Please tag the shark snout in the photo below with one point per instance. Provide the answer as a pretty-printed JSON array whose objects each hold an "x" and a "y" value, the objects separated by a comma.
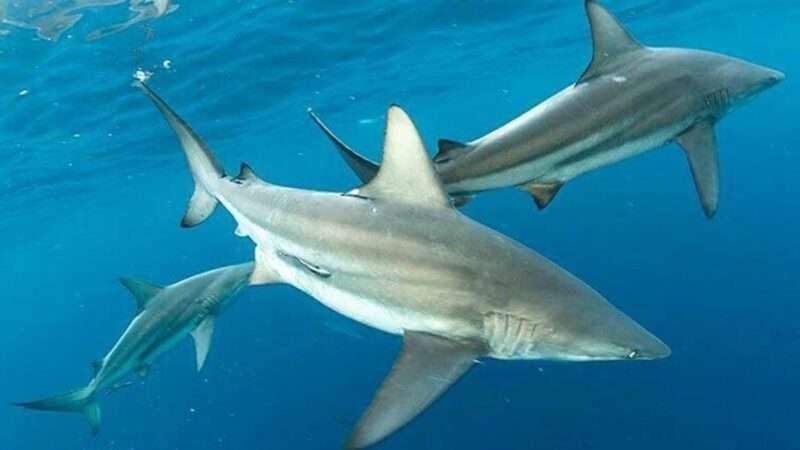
[
  {"x": 774, "y": 77},
  {"x": 650, "y": 348}
]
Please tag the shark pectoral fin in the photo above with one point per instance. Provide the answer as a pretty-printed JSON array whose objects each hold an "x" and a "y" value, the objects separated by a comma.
[
  {"x": 364, "y": 169},
  {"x": 407, "y": 174},
  {"x": 700, "y": 144},
  {"x": 427, "y": 366},
  {"x": 143, "y": 291},
  {"x": 202, "y": 340},
  {"x": 609, "y": 37},
  {"x": 92, "y": 414},
  {"x": 542, "y": 193},
  {"x": 449, "y": 150},
  {"x": 461, "y": 200}
]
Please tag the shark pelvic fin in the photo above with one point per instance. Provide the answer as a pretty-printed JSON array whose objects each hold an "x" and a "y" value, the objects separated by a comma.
[
  {"x": 542, "y": 193},
  {"x": 143, "y": 291},
  {"x": 406, "y": 174},
  {"x": 449, "y": 150},
  {"x": 609, "y": 37},
  {"x": 263, "y": 273},
  {"x": 427, "y": 366},
  {"x": 700, "y": 144},
  {"x": 364, "y": 169},
  {"x": 202, "y": 340}
]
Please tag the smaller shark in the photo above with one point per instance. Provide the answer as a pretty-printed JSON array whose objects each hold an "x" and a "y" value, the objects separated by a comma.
[
  {"x": 164, "y": 317},
  {"x": 629, "y": 100}
]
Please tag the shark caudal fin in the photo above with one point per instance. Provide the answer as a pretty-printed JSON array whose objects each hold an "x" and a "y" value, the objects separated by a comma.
[
  {"x": 364, "y": 169},
  {"x": 204, "y": 166},
  {"x": 77, "y": 401}
]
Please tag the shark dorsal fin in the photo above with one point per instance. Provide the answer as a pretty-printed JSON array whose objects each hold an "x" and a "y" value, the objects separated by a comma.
[
  {"x": 143, "y": 291},
  {"x": 406, "y": 173},
  {"x": 609, "y": 37},
  {"x": 246, "y": 173}
]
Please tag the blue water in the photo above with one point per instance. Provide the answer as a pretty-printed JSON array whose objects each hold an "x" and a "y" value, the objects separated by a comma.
[{"x": 93, "y": 186}]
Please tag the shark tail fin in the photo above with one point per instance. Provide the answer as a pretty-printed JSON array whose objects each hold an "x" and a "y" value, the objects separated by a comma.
[
  {"x": 204, "y": 166},
  {"x": 78, "y": 401}
]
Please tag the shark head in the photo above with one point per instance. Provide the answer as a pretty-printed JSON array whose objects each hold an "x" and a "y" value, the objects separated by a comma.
[
  {"x": 728, "y": 82},
  {"x": 599, "y": 332}
]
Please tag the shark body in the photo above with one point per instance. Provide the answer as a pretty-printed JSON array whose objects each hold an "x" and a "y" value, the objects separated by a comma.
[
  {"x": 629, "y": 100},
  {"x": 395, "y": 255},
  {"x": 165, "y": 316}
]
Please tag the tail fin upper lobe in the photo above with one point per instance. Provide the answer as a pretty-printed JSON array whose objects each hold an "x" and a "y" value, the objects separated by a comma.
[
  {"x": 204, "y": 166},
  {"x": 77, "y": 401}
]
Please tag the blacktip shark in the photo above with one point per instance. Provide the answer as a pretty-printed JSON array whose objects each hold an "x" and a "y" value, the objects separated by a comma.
[
  {"x": 164, "y": 317},
  {"x": 629, "y": 100},
  {"x": 394, "y": 254}
]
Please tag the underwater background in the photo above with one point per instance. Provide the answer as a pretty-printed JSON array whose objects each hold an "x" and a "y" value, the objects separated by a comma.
[{"x": 93, "y": 185}]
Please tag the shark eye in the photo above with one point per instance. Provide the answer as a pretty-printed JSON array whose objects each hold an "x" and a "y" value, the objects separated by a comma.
[{"x": 633, "y": 354}]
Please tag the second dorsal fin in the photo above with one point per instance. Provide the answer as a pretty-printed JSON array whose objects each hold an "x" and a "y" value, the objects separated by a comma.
[
  {"x": 610, "y": 39},
  {"x": 449, "y": 150},
  {"x": 406, "y": 173}
]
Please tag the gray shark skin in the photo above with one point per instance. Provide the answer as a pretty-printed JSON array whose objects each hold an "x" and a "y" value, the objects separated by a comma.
[
  {"x": 165, "y": 316},
  {"x": 395, "y": 255},
  {"x": 629, "y": 100}
]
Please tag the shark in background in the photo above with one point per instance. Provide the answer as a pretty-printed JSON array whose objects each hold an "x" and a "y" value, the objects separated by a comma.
[
  {"x": 164, "y": 317},
  {"x": 630, "y": 99},
  {"x": 395, "y": 255}
]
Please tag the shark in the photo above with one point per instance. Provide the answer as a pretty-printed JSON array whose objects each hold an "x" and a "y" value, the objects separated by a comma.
[
  {"x": 164, "y": 317},
  {"x": 395, "y": 255},
  {"x": 630, "y": 99}
]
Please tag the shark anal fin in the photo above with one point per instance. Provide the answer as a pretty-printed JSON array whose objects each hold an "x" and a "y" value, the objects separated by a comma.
[
  {"x": 427, "y": 366},
  {"x": 406, "y": 174},
  {"x": 449, "y": 150},
  {"x": 542, "y": 193},
  {"x": 364, "y": 169},
  {"x": 202, "y": 340},
  {"x": 609, "y": 37},
  {"x": 700, "y": 144},
  {"x": 143, "y": 291}
]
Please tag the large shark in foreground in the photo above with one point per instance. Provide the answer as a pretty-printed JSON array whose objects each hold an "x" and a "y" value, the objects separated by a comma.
[
  {"x": 395, "y": 255},
  {"x": 629, "y": 100},
  {"x": 165, "y": 316}
]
